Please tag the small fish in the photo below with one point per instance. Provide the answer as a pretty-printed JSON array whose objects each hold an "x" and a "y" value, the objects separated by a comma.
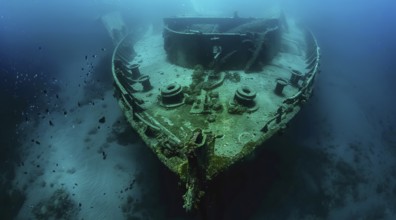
[
  {"x": 102, "y": 120},
  {"x": 50, "y": 123},
  {"x": 38, "y": 142},
  {"x": 86, "y": 57}
]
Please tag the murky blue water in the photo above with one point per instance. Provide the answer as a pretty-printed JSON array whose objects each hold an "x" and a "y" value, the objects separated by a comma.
[{"x": 60, "y": 160}]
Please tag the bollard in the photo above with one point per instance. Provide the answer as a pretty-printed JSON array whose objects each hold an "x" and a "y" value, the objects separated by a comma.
[
  {"x": 135, "y": 71},
  {"x": 280, "y": 84},
  {"x": 145, "y": 81},
  {"x": 295, "y": 77}
]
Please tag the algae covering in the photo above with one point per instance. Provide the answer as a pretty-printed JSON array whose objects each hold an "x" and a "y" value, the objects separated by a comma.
[{"x": 209, "y": 91}]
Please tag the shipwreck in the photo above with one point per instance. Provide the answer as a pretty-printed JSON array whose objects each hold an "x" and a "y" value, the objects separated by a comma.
[{"x": 209, "y": 91}]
